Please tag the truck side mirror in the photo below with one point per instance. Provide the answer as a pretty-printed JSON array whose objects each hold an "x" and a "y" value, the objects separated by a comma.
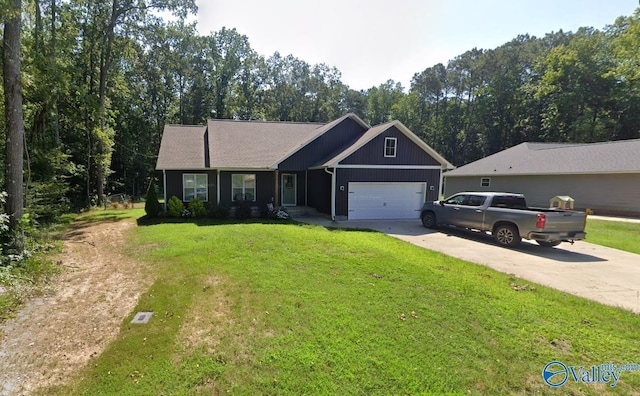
[{"x": 441, "y": 203}]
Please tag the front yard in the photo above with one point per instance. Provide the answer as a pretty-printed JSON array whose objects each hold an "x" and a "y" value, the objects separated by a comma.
[{"x": 271, "y": 308}]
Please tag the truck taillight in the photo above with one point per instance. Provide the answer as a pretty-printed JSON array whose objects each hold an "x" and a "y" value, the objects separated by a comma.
[{"x": 542, "y": 220}]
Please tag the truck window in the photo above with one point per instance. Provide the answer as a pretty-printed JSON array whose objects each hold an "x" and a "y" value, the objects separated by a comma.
[
  {"x": 476, "y": 200},
  {"x": 509, "y": 201},
  {"x": 456, "y": 200}
]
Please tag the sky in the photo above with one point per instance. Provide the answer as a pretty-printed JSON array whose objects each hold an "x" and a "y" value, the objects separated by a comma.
[{"x": 372, "y": 41}]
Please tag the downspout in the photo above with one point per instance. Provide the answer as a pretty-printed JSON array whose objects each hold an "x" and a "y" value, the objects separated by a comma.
[
  {"x": 164, "y": 187},
  {"x": 218, "y": 186},
  {"x": 333, "y": 192},
  {"x": 306, "y": 187}
]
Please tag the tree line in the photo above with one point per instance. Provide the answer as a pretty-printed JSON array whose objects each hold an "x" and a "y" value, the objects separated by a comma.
[{"x": 101, "y": 79}]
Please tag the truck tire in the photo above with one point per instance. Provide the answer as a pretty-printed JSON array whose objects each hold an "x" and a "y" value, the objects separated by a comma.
[
  {"x": 549, "y": 243},
  {"x": 506, "y": 235},
  {"x": 429, "y": 220}
]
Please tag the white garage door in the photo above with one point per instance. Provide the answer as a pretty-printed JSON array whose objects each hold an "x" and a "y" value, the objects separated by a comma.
[{"x": 385, "y": 200}]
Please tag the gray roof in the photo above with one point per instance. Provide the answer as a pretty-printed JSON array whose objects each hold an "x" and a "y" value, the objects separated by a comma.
[
  {"x": 182, "y": 147},
  {"x": 621, "y": 156},
  {"x": 255, "y": 144},
  {"x": 236, "y": 145}
]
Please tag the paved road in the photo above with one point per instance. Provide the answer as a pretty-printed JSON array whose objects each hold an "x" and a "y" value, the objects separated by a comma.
[{"x": 602, "y": 274}]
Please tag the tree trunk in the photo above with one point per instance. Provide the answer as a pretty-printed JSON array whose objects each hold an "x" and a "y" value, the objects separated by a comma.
[{"x": 14, "y": 118}]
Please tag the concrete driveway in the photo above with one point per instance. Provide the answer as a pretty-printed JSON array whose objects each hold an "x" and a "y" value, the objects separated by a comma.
[{"x": 602, "y": 274}]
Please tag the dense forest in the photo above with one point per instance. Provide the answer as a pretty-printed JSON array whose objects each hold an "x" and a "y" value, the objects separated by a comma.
[{"x": 101, "y": 79}]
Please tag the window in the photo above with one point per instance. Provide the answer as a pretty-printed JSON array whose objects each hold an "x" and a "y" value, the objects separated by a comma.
[
  {"x": 243, "y": 187},
  {"x": 509, "y": 201},
  {"x": 390, "y": 145},
  {"x": 466, "y": 200},
  {"x": 195, "y": 186},
  {"x": 485, "y": 182}
]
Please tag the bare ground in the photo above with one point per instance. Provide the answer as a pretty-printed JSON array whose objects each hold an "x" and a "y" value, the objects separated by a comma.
[{"x": 54, "y": 336}]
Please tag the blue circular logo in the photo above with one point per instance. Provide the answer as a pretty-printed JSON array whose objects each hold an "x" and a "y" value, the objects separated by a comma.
[{"x": 555, "y": 374}]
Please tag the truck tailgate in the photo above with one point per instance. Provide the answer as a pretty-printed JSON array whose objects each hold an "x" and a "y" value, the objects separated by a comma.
[{"x": 564, "y": 221}]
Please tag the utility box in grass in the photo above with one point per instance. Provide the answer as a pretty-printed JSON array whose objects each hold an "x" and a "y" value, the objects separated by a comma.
[{"x": 562, "y": 202}]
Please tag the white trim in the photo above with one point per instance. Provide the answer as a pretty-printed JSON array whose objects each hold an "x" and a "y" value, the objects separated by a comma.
[
  {"x": 244, "y": 193},
  {"x": 333, "y": 192},
  {"x": 395, "y": 147},
  {"x": 383, "y": 128},
  {"x": 295, "y": 188},
  {"x": 441, "y": 189},
  {"x": 195, "y": 188},
  {"x": 323, "y": 130}
]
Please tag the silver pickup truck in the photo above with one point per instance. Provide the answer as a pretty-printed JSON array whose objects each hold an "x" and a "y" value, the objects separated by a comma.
[{"x": 507, "y": 217}]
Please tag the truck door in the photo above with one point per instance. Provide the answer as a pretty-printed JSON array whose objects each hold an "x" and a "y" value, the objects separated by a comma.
[{"x": 464, "y": 210}]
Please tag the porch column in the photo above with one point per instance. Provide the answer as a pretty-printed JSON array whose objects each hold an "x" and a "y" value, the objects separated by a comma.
[
  {"x": 276, "y": 196},
  {"x": 218, "y": 186},
  {"x": 164, "y": 187}
]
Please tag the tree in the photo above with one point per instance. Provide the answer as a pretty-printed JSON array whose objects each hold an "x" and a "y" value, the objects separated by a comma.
[{"x": 13, "y": 118}]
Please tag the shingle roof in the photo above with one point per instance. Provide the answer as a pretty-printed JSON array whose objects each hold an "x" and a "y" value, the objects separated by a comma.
[
  {"x": 182, "y": 147},
  {"x": 557, "y": 158},
  {"x": 255, "y": 144}
]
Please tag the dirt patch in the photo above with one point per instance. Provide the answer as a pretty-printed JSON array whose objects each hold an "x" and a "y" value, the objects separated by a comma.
[{"x": 54, "y": 336}]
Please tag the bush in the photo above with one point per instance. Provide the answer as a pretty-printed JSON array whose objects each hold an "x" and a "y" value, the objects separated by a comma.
[
  {"x": 220, "y": 212},
  {"x": 152, "y": 206},
  {"x": 196, "y": 207},
  {"x": 243, "y": 211},
  {"x": 175, "y": 207}
]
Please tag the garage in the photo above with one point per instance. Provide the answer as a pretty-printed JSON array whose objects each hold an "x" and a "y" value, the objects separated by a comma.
[{"x": 385, "y": 200}]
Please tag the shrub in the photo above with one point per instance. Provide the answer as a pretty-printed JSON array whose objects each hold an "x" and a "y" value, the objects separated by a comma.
[
  {"x": 175, "y": 207},
  {"x": 220, "y": 212},
  {"x": 151, "y": 205},
  {"x": 243, "y": 211},
  {"x": 196, "y": 207}
]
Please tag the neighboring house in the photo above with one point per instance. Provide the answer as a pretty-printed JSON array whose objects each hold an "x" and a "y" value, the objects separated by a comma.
[
  {"x": 345, "y": 168},
  {"x": 604, "y": 177}
]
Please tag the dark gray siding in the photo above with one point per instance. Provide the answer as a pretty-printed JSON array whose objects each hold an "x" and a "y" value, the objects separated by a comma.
[
  {"x": 408, "y": 153},
  {"x": 174, "y": 184},
  {"x": 344, "y": 176},
  {"x": 325, "y": 146},
  {"x": 613, "y": 193},
  {"x": 319, "y": 191},
  {"x": 265, "y": 187}
]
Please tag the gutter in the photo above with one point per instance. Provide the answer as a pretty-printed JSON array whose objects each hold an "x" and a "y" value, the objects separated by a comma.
[{"x": 333, "y": 192}]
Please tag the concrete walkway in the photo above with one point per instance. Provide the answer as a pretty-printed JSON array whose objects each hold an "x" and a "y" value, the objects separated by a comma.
[{"x": 602, "y": 274}]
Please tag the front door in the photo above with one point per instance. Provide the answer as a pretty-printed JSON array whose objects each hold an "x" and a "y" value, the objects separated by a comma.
[{"x": 288, "y": 189}]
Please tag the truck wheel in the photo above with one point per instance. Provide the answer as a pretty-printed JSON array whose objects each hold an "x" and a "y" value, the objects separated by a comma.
[
  {"x": 506, "y": 235},
  {"x": 429, "y": 220},
  {"x": 549, "y": 243}
]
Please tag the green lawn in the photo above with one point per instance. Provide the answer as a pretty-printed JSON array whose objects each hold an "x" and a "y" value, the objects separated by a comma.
[
  {"x": 257, "y": 308},
  {"x": 615, "y": 234}
]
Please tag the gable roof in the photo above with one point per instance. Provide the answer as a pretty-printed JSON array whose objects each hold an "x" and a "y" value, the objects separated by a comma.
[
  {"x": 321, "y": 130},
  {"x": 557, "y": 158},
  {"x": 254, "y": 144},
  {"x": 182, "y": 147},
  {"x": 235, "y": 145},
  {"x": 376, "y": 131}
]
